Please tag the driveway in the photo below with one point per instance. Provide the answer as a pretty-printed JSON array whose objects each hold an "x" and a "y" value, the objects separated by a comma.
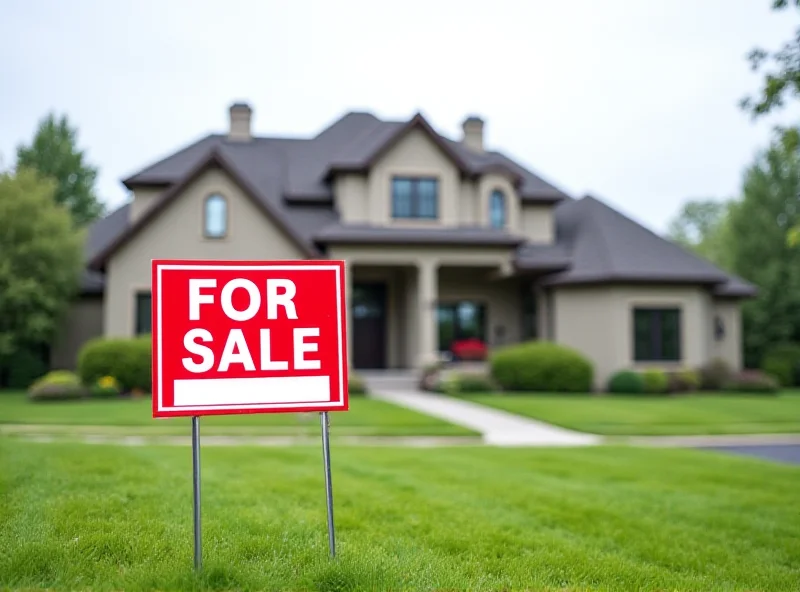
[{"x": 785, "y": 453}]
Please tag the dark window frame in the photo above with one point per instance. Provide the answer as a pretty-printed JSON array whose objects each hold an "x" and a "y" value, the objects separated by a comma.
[
  {"x": 503, "y": 208},
  {"x": 140, "y": 327},
  {"x": 459, "y": 331},
  {"x": 415, "y": 198},
  {"x": 656, "y": 346},
  {"x": 224, "y": 200}
]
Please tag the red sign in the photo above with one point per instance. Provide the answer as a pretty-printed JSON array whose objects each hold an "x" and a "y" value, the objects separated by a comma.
[{"x": 248, "y": 337}]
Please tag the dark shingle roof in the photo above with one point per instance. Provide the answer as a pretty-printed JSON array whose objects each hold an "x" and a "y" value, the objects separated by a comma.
[
  {"x": 606, "y": 246},
  {"x": 289, "y": 179},
  {"x": 461, "y": 235}
]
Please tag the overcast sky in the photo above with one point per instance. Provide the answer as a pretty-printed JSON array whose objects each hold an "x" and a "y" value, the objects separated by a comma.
[{"x": 633, "y": 101}]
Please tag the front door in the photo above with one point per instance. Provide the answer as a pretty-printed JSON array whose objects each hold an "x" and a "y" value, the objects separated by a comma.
[{"x": 369, "y": 325}]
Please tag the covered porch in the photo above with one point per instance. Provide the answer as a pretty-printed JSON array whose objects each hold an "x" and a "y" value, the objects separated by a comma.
[{"x": 406, "y": 315}]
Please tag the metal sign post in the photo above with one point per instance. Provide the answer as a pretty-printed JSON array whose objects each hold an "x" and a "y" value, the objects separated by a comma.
[
  {"x": 326, "y": 457},
  {"x": 198, "y": 552}
]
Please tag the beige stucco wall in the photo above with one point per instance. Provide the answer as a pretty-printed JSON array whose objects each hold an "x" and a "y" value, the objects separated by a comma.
[
  {"x": 82, "y": 322},
  {"x": 598, "y": 321},
  {"x": 351, "y": 196},
  {"x": 143, "y": 198},
  {"x": 537, "y": 223},
  {"x": 469, "y": 213},
  {"x": 729, "y": 348},
  {"x": 178, "y": 233}
]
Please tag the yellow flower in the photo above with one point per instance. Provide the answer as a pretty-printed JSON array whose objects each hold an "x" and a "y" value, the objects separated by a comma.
[{"x": 108, "y": 382}]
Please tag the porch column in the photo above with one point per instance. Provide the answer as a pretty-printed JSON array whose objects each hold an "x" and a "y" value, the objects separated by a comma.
[
  {"x": 348, "y": 296},
  {"x": 427, "y": 297}
]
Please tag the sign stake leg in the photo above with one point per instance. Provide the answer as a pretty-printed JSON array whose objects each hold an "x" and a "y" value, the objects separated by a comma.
[
  {"x": 198, "y": 553},
  {"x": 326, "y": 456}
]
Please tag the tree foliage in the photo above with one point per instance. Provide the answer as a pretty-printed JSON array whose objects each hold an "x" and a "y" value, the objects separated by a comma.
[
  {"x": 701, "y": 226},
  {"x": 781, "y": 69},
  {"x": 40, "y": 260},
  {"x": 760, "y": 224},
  {"x": 54, "y": 153}
]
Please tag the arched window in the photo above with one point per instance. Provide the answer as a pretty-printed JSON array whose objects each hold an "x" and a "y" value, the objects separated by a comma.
[
  {"x": 497, "y": 209},
  {"x": 215, "y": 217}
]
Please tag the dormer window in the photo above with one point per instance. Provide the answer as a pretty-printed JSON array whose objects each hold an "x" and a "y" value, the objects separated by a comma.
[
  {"x": 215, "y": 217},
  {"x": 497, "y": 209},
  {"x": 415, "y": 197}
]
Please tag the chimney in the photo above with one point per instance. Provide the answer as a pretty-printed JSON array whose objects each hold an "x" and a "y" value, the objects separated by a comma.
[
  {"x": 240, "y": 116},
  {"x": 473, "y": 133}
]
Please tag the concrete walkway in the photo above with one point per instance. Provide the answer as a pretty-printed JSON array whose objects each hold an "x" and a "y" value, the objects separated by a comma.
[{"x": 497, "y": 428}]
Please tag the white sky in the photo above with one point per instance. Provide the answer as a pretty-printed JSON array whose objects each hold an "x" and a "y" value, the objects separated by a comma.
[{"x": 634, "y": 101}]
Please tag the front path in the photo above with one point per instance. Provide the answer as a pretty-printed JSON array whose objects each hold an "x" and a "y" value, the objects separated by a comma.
[{"x": 497, "y": 427}]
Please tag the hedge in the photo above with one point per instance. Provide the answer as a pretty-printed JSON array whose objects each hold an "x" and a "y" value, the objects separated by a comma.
[
  {"x": 541, "y": 366},
  {"x": 127, "y": 360},
  {"x": 655, "y": 381},
  {"x": 626, "y": 382},
  {"x": 59, "y": 385},
  {"x": 752, "y": 381},
  {"x": 783, "y": 362},
  {"x": 456, "y": 383}
]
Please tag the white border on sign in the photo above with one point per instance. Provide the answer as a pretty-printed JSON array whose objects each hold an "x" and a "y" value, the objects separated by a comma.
[{"x": 206, "y": 267}]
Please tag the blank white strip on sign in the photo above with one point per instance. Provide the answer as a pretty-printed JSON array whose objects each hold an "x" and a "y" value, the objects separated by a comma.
[{"x": 252, "y": 391}]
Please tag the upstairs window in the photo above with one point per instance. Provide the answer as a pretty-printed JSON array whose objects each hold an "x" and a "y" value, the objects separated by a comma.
[
  {"x": 415, "y": 198},
  {"x": 215, "y": 217},
  {"x": 497, "y": 209},
  {"x": 657, "y": 334}
]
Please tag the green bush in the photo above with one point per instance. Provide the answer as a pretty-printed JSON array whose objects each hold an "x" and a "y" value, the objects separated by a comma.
[
  {"x": 715, "y": 374},
  {"x": 683, "y": 381},
  {"x": 355, "y": 385},
  {"x": 59, "y": 385},
  {"x": 752, "y": 381},
  {"x": 457, "y": 383},
  {"x": 105, "y": 388},
  {"x": 541, "y": 366},
  {"x": 655, "y": 381},
  {"x": 626, "y": 382},
  {"x": 23, "y": 367},
  {"x": 127, "y": 360},
  {"x": 783, "y": 362}
]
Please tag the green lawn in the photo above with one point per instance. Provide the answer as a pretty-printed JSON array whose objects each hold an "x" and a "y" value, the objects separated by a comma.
[
  {"x": 684, "y": 415},
  {"x": 79, "y": 516},
  {"x": 365, "y": 417}
]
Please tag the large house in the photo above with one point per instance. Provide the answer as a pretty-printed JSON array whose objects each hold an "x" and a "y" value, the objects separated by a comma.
[{"x": 444, "y": 240}]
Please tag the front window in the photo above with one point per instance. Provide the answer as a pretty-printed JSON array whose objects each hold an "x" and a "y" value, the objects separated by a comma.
[
  {"x": 215, "y": 223},
  {"x": 460, "y": 321},
  {"x": 144, "y": 315},
  {"x": 657, "y": 334},
  {"x": 497, "y": 209},
  {"x": 415, "y": 198}
]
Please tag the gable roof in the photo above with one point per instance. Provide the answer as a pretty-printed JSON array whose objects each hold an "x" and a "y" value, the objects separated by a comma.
[
  {"x": 254, "y": 180},
  {"x": 606, "y": 246}
]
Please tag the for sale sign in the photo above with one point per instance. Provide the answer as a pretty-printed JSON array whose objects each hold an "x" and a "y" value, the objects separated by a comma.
[{"x": 248, "y": 337}]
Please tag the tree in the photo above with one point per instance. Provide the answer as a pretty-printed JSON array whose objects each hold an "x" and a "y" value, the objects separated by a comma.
[
  {"x": 701, "y": 226},
  {"x": 781, "y": 81},
  {"x": 54, "y": 154},
  {"x": 41, "y": 256},
  {"x": 761, "y": 223}
]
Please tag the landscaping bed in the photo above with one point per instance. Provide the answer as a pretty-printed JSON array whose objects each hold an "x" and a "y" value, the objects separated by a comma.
[{"x": 75, "y": 517}]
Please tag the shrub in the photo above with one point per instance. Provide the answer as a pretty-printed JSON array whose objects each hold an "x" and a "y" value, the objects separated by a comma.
[
  {"x": 541, "y": 366},
  {"x": 626, "y": 382},
  {"x": 783, "y": 362},
  {"x": 355, "y": 385},
  {"x": 715, "y": 375},
  {"x": 106, "y": 387},
  {"x": 683, "y": 381},
  {"x": 457, "y": 383},
  {"x": 655, "y": 381},
  {"x": 127, "y": 360},
  {"x": 752, "y": 381},
  {"x": 59, "y": 385},
  {"x": 23, "y": 367}
]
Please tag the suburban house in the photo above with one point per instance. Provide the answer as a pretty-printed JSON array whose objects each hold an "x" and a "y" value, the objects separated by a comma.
[{"x": 444, "y": 240}]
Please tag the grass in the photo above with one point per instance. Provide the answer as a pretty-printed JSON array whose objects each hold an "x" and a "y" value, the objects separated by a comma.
[
  {"x": 658, "y": 415},
  {"x": 366, "y": 417},
  {"x": 78, "y": 516}
]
